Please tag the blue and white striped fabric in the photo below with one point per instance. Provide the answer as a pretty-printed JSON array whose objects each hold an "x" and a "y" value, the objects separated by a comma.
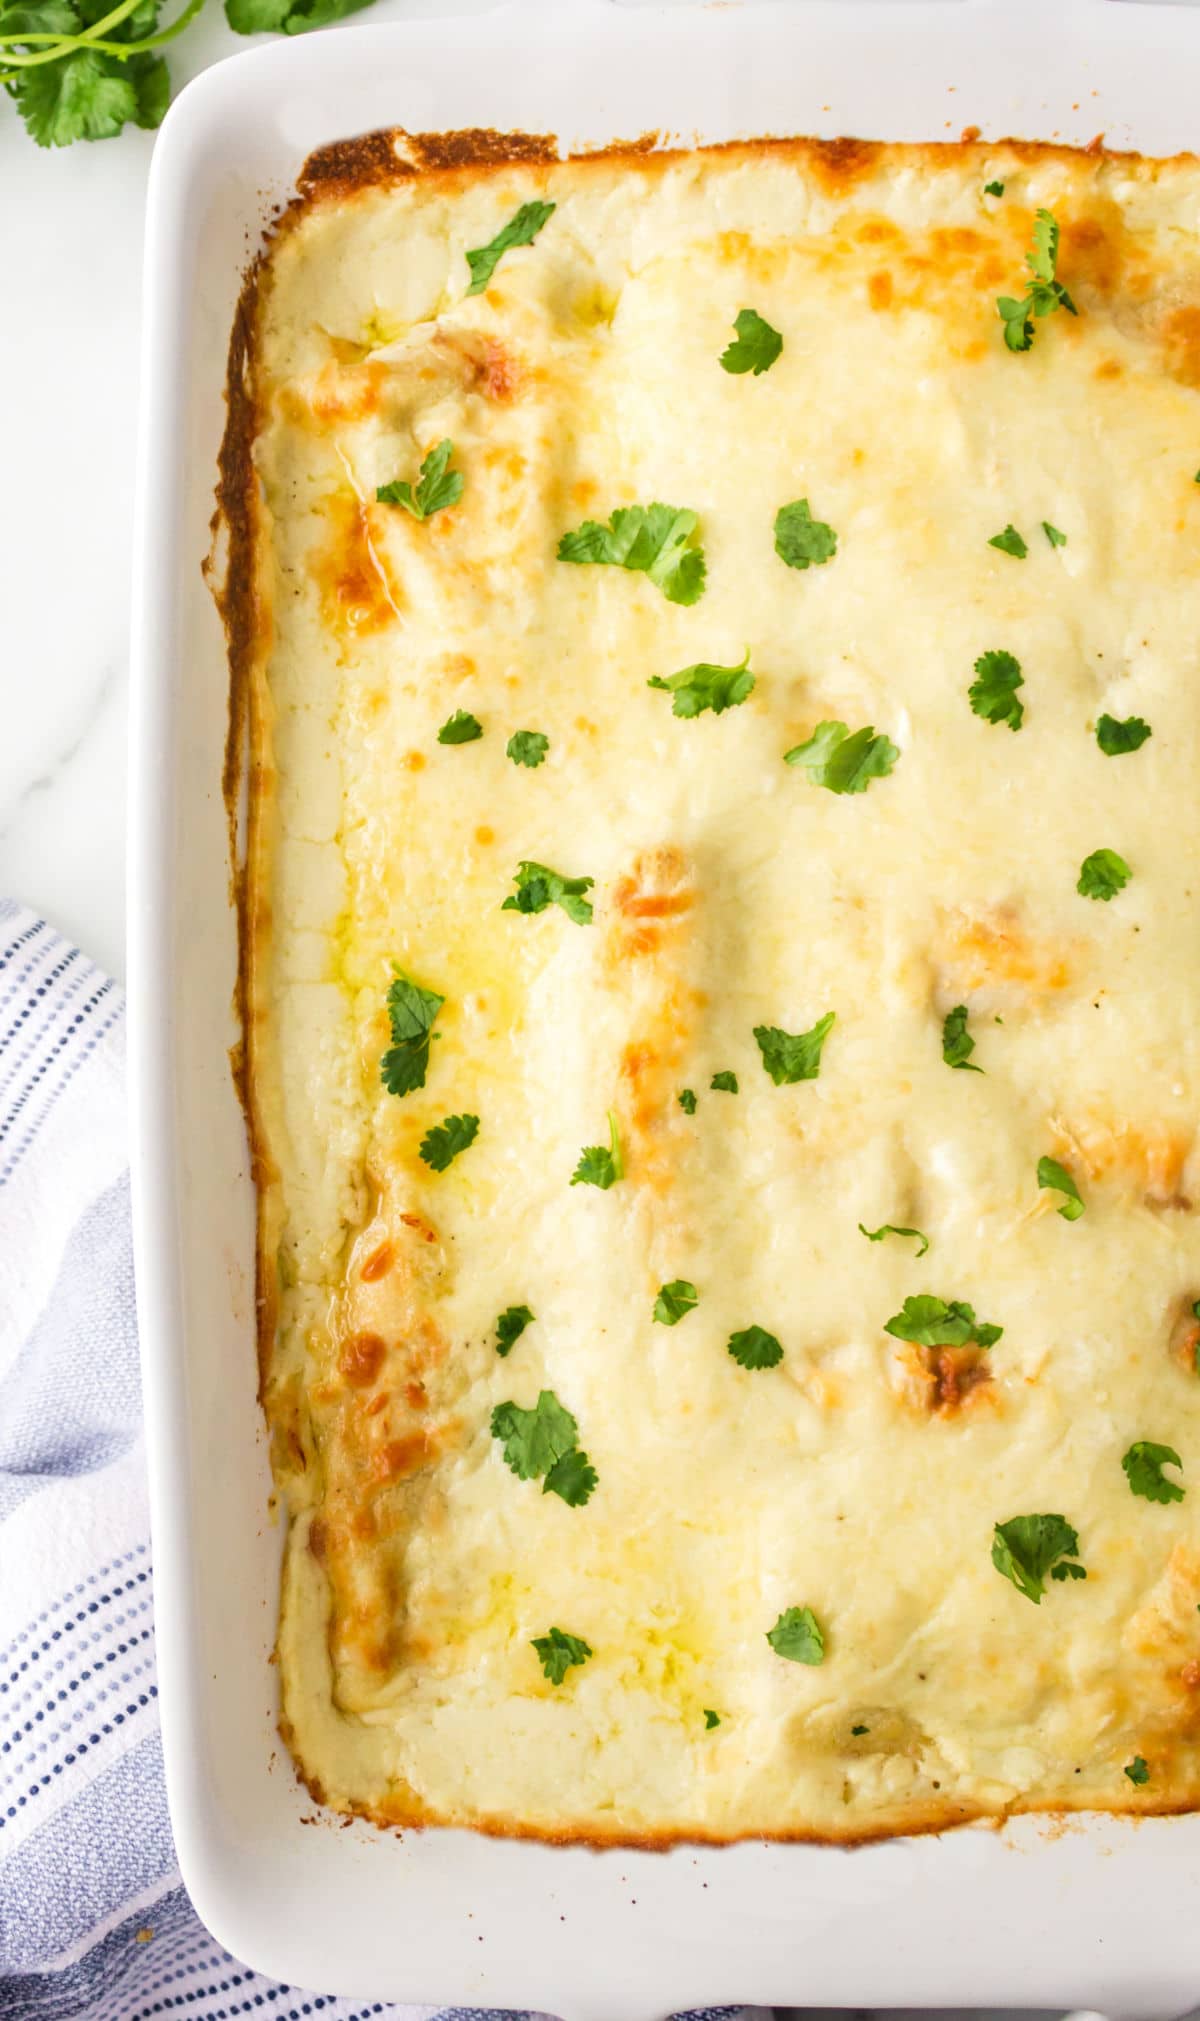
[{"x": 93, "y": 1920}]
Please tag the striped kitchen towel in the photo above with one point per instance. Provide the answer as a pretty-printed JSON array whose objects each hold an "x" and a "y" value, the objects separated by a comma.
[{"x": 94, "y": 1922}]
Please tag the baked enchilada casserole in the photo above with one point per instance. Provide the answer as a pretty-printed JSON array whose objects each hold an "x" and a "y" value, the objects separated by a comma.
[{"x": 721, "y": 636}]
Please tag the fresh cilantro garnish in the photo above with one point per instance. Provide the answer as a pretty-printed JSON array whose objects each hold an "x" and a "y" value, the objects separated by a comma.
[
  {"x": 437, "y": 487},
  {"x": 527, "y": 747},
  {"x": 801, "y": 540},
  {"x": 845, "y": 762},
  {"x": 1103, "y": 874},
  {"x": 687, "y": 1101},
  {"x": 989, "y": 189},
  {"x": 797, "y": 1635},
  {"x": 1050, "y": 1173},
  {"x": 460, "y": 728},
  {"x": 756, "y": 346},
  {"x": 726, "y": 1082},
  {"x": 1115, "y": 737},
  {"x": 411, "y": 1013},
  {"x": 1143, "y": 1465},
  {"x": 793, "y": 1056},
  {"x": 711, "y": 1719},
  {"x": 890, "y": 1228},
  {"x": 540, "y": 1444},
  {"x": 538, "y": 886},
  {"x": 287, "y": 17},
  {"x": 994, "y": 694},
  {"x": 856, "y": 1730},
  {"x": 1027, "y": 1547},
  {"x": 754, "y": 1347},
  {"x": 675, "y": 1300},
  {"x": 78, "y": 70},
  {"x": 521, "y": 230},
  {"x": 1044, "y": 292},
  {"x": 652, "y": 538},
  {"x": 557, "y": 1651},
  {"x": 705, "y": 686},
  {"x": 441, "y": 1145},
  {"x": 957, "y": 1043},
  {"x": 510, "y": 1326},
  {"x": 1137, "y": 1771},
  {"x": 940, "y": 1322},
  {"x": 599, "y": 1166},
  {"x": 1053, "y": 535},
  {"x": 1010, "y": 542}
]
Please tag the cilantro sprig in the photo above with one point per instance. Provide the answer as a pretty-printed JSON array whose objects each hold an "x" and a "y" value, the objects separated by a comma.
[
  {"x": 411, "y": 1014},
  {"x": 510, "y": 1326},
  {"x": 726, "y": 1082},
  {"x": 1115, "y": 736},
  {"x": 993, "y": 693},
  {"x": 675, "y": 1300},
  {"x": 599, "y": 1164},
  {"x": 527, "y": 747},
  {"x": 1143, "y": 1468},
  {"x": 543, "y": 1444},
  {"x": 841, "y": 760},
  {"x": 1026, "y": 1548},
  {"x": 558, "y": 1652},
  {"x": 1010, "y": 542},
  {"x": 957, "y": 1043},
  {"x": 756, "y": 346},
  {"x": 441, "y": 1145},
  {"x": 1057, "y": 1178},
  {"x": 651, "y": 538},
  {"x": 798, "y": 1636},
  {"x": 754, "y": 1347},
  {"x": 1044, "y": 292},
  {"x": 800, "y": 540},
  {"x": 706, "y": 686},
  {"x": 939, "y": 1322},
  {"x": 436, "y": 488},
  {"x": 538, "y": 886},
  {"x": 521, "y": 230},
  {"x": 78, "y": 70},
  {"x": 1137, "y": 1771},
  {"x": 793, "y": 1056},
  {"x": 460, "y": 728},
  {"x": 1103, "y": 874}
]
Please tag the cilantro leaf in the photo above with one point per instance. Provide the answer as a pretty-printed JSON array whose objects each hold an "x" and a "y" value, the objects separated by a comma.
[
  {"x": 957, "y": 1043},
  {"x": 521, "y": 230},
  {"x": 1053, "y": 535},
  {"x": 1044, "y": 293},
  {"x": 538, "y": 886},
  {"x": 527, "y": 747},
  {"x": 1115, "y": 737},
  {"x": 705, "y": 686},
  {"x": 993, "y": 189},
  {"x": 754, "y": 1347},
  {"x": 890, "y": 1228},
  {"x": 755, "y": 347},
  {"x": 441, "y": 1145},
  {"x": 558, "y": 1651},
  {"x": 844, "y": 762},
  {"x": 1143, "y": 1465},
  {"x": 1103, "y": 874},
  {"x": 801, "y": 540},
  {"x": 599, "y": 1166},
  {"x": 84, "y": 94},
  {"x": 938, "y": 1322},
  {"x": 675, "y": 1300},
  {"x": 437, "y": 487},
  {"x": 994, "y": 694},
  {"x": 652, "y": 538},
  {"x": 1051, "y": 1173},
  {"x": 287, "y": 17},
  {"x": 1010, "y": 542},
  {"x": 572, "y": 1478},
  {"x": 797, "y": 1635},
  {"x": 411, "y": 1014},
  {"x": 725, "y": 1082},
  {"x": 687, "y": 1101},
  {"x": 793, "y": 1056},
  {"x": 461, "y": 728},
  {"x": 541, "y": 1442},
  {"x": 1137, "y": 1771},
  {"x": 1027, "y": 1547},
  {"x": 510, "y": 1326},
  {"x": 711, "y": 1719}
]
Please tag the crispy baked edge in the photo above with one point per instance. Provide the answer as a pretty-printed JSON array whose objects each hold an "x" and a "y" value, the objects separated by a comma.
[{"x": 331, "y": 175}]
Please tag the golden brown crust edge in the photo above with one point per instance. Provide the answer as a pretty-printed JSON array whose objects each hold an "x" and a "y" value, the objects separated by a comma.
[{"x": 332, "y": 174}]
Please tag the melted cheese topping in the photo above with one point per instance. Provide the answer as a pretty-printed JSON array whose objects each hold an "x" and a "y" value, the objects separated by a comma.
[{"x": 862, "y": 1476}]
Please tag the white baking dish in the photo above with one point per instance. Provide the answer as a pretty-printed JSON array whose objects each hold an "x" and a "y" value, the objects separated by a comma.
[{"x": 1102, "y": 1914}]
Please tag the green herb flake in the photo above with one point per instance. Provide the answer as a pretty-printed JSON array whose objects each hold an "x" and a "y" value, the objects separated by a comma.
[
  {"x": 957, "y": 1043},
  {"x": 797, "y": 1635},
  {"x": 510, "y": 1326},
  {"x": 940, "y": 1322},
  {"x": 1051, "y": 1174},
  {"x": 1103, "y": 874},
  {"x": 441, "y": 1145},
  {"x": 1044, "y": 291},
  {"x": 800, "y": 540},
  {"x": 841, "y": 760},
  {"x": 754, "y": 1347},
  {"x": 521, "y": 230},
  {"x": 857, "y": 1730},
  {"x": 557, "y": 1652},
  {"x": 1053, "y": 535},
  {"x": 1027, "y": 1547},
  {"x": 687, "y": 1101},
  {"x": 1116, "y": 737},
  {"x": 711, "y": 1719},
  {"x": 675, "y": 1300},
  {"x": 599, "y": 1166},
  {"x": 993, "y": 694},
  {"x": 890, "y": 1228},
  {"x": 651, "y": 538},
  {"x": 1143, "y": 1466},
  {"x": 755, "y": 347},
  {"x": 1010, "y": 542},
  {"x": 411, "y": 1014},
  {"x": 793, "y": 1056},
  {"x": 726, "y": 1082},
  {"x": 538, "y": 886},
  {"x": 460, "y": 728},
  {"x": 1137, "y": 1771},
  {"x": 541, "y": 1444},
  {"x": 437, "y": 487},
  {"x": 989, "y": 189},
  {"x": 527, "y": 747},
  {"x": 706, "y": 686}
]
